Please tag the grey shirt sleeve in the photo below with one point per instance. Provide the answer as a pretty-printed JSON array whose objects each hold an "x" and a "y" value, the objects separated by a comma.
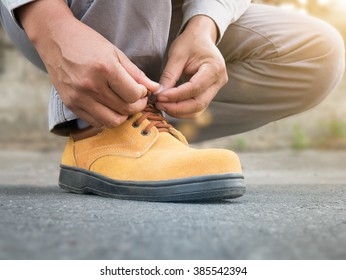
[
  {"x": 223, "y": 12},
  {"x": 11, "y": 5}
]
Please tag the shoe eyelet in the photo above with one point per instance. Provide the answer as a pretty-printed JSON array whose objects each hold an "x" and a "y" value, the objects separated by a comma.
[
  {"x": 145, "y": 133},
  {"x": 134, "y": 125}
]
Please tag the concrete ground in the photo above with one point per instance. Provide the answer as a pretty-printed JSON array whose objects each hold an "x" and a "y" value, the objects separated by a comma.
[{"x": 294, "y": 208}]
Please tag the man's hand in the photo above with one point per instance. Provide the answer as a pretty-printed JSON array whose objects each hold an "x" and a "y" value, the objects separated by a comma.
[
  {"x": 193, "y": 55},
  {"x": 95, "y": 80}
]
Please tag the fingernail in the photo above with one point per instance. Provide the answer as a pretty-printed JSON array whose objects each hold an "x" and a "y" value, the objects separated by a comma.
[
  {"x": 143, "y": 90},
  {"x": 151, "y": 81},
  {"x": 152, "y": 84},
  {"x": 159, "y": 90}
]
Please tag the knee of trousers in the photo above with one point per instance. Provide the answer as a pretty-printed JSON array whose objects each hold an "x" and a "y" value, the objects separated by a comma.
[{"x": 324, "y": 63}]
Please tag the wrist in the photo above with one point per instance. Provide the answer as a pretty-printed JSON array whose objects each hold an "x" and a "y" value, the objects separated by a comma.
[{"x": 202, "y": 25}]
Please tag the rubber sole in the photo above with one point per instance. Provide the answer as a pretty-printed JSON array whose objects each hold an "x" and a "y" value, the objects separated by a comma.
[{"x": 213, "y": 187}]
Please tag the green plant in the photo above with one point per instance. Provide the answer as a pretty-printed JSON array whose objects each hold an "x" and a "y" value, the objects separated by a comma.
[
  {"x": 332, "y": 134},
  {"x": 241, "y": 143},
  {"x": 337, "y": 128},
  {"x": 300, "y": 139}
]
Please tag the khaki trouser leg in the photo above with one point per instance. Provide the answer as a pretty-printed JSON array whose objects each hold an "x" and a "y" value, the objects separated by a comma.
[{"x": 279, "y": 63}]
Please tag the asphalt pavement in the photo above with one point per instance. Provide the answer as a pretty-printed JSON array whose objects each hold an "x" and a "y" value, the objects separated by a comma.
[{"x": 294, "y": 208}]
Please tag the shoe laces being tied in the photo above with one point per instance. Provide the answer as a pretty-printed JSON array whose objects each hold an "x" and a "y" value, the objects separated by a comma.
[{"x": 154, "y": 116}]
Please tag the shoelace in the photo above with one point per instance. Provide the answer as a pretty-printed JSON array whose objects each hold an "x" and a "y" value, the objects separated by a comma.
[{"x": 152, "y": 114}]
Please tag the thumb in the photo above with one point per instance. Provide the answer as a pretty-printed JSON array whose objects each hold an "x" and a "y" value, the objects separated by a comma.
[{"x": 171, "y": 74}]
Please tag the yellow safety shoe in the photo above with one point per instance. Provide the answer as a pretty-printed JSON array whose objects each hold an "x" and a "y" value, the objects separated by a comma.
[{"x": 145, "y": 158}]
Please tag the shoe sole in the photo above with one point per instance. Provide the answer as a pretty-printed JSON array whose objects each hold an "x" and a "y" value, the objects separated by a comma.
[{"x": 212, "y": 187}]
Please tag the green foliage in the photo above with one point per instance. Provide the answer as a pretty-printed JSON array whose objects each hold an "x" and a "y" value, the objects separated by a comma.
[
  {"x": 300, "y": 139},
  {"x": 333, "y": 134},
  {"x": 337, "y": 128},
  {"x": 238, "y": 144},
  {"x": 241, "y": 143}
]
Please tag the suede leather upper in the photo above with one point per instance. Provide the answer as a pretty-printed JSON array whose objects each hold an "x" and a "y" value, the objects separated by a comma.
[{"x": 124, "y": 153}]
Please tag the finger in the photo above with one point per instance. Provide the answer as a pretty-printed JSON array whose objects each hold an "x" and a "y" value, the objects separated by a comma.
[
  {"x": 179, "y": 109},
  {"x": 124, "y": 85},
  {"x": 113, "y": 101},
  {"x": 193, "y": 106},
  {"x": 199, "y": 83},
  {"x": 100, "y": 114},
  {"x": 137, "y": 74},
  {"x": 129, "y": 109},
  {"x": 172, "y": 73}
]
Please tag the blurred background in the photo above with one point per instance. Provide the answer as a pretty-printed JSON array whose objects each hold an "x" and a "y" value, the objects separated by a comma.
[{"x": 24, "y": 93}]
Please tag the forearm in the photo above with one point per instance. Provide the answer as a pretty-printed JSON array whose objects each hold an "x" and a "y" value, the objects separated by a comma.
[{"x": 43, "y": 18}]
